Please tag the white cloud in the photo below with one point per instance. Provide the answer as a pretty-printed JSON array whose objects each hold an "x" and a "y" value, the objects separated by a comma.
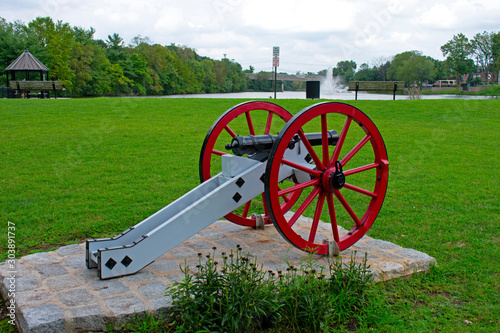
[
  {"x": 299, "y": 16},
  {"x": 312, "y": 34}
]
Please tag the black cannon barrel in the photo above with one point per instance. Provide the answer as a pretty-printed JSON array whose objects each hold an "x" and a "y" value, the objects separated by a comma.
[{"x": 251, "y": 144}]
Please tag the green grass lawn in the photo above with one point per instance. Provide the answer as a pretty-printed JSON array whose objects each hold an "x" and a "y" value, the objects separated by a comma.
[{"x": 77, "y": 169}]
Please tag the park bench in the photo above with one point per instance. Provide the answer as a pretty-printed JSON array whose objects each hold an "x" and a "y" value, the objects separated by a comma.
[
  {"x": 41, "y": 86},
  {"x": 376, "y": 86}
]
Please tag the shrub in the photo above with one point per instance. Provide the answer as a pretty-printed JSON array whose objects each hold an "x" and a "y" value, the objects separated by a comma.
[{"x": 237, "y": 294}]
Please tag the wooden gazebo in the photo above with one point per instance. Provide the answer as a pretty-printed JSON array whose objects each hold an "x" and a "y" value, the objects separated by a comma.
[
  {"x": 23, "y": 73},
  {"x": 28, "y": 64}
]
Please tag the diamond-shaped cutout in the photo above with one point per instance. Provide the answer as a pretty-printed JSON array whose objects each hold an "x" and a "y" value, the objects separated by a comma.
[
  {"x": 237, "y": 197},
  {"x": 240, "y": 182},
  {"x": 263, "y": 177},
  {"x": 110, "y": 263},
  {"x": 308, "y": 158},
  {"x": 126, "y": 261}
]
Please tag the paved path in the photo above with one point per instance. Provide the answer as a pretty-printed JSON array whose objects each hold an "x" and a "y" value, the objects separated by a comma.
[{"x": 55, "y": 292}]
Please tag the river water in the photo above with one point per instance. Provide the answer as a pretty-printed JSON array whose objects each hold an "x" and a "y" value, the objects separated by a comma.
[{"x": 338, "y": 96}]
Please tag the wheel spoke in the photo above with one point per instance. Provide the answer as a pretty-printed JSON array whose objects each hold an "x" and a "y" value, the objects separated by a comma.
[
  {"x": 230, "y": 131},
  {"x": 340, "y": 142},
  {"x": 249, "y": 122},
  {"x": 360, "y": 190},
  {"x": 317, "y": 214},
  {"x": 246, "y": 209},
  {"x": 268, "y": 123},
  {"x": 310, "y": 149},
  {"x": 218, "y": 152},
  {"x": 285, "y": 198},
  {"x": 324, "y": 139},
  {"x": 361, "y": 169},
  {"x": 301, "y": 168},
  {"x": 304, "y": 205},
  {"x": 333, "y": 217},
  {"x": 355, "y": 149},
  {"x": 348, "y": 208},
  {"x": 298, "y": 187}
]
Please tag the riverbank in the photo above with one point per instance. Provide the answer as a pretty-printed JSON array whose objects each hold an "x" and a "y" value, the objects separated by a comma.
[
  {"x": 341, "y": 95},
  {"x": 486, "y": 91}
]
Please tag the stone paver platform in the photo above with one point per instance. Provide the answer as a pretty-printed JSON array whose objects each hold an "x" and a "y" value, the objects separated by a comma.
[{"x": 55, "y": 292}]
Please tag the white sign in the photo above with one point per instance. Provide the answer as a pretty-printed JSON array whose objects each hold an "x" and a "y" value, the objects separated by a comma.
[
  {"x": 276, "y": 51},
  {"x": 276, "y": 56},
  {"x": 276, "y": 61}
]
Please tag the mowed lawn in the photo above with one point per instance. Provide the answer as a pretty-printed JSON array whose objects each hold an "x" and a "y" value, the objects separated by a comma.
[{"x": 84, "y": 168}]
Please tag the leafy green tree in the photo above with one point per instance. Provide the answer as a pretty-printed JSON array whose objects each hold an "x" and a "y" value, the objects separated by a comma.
[
  {"x": 12, "y": 44},
  {"x": 57, "y": 39},
  {"x": 365, "y": 73},
  {"x": 141, "y": 75},
  {"x": 440, "y": 70},
  {"x": 457, "y": 52},
  {"x": 116, "y": 52},
  {"x": 345, "y": 70},
  {"x": 482, "y": 45},
  {"x": 411, "y": 67},
  {"x": 495, "y": 51},
  {"x": 382, "y": 66}
]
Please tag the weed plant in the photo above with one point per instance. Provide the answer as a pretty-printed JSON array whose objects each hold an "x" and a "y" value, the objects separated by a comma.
[{"x": 237, "y": 295}]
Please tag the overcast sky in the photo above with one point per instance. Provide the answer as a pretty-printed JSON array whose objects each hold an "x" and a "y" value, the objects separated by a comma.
[{"x": 312, "y": 35}]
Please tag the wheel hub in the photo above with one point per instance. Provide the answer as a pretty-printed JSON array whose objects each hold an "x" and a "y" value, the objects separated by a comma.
[{"x": 333, "y": 178}]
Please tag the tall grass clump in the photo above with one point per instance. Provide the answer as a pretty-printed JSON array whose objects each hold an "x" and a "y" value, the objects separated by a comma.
[{"x": 236, "y": 294}]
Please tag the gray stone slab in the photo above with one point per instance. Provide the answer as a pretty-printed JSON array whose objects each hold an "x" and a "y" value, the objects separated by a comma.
[
  {"x": 381, "y": 244},
  {"x": 199, "y": 244},
  {"x": 360, "y": 255},
  {"x": 109, "y": 287},
  {"x": 164, "y": 266},
  {"x": 19, "y": 270},
  {"x": 89, "y": 318},
  {"x": 88, "y": 275},
  {"x": 423, "y": 261},
  {"x": 47, "y": 318},
  {"x": 40, "y": 259},
  {"x": 212, "y": 234},
  {"x": 414, "y": 255},
  {"x": 390, "y": 255},
  {"x": 70, "y": 250},
  {"x": 182, "y": 252},
  {"x": 162, "y": 305},
  {"x": 63, "y": 282},
  {"x": 389, "y": 269},
  {"x": 125, "y": 305},
  {"x": 75, "y": 261},
  {"x": 229, "y": 227},
  {"x": 141, "y": 276},
  {"x": 154, "y": 289},
  {"x": 77, "y": 297},
  {"x": 51, "y": 270},
  {"x": 28, "y": 282},
  {"x": 33, "y": 297},
  {"x": 265, "y": 244}
]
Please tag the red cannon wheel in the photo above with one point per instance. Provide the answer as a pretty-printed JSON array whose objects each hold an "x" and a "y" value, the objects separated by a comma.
[
  {"x": 352, "y": 177},
  {"x": 249, "y": 118}
]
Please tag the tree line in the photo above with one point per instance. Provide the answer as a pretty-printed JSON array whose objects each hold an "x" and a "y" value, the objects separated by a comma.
[
  {"x": 464, "y": 58},
  {"x": 95, "y": 67}
]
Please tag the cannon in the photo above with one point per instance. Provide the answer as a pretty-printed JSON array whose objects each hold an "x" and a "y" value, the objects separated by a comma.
[{"x": 257, "y": 163}]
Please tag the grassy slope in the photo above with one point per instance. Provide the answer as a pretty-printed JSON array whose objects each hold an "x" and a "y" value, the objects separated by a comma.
[{"x": 75, "y": 169}]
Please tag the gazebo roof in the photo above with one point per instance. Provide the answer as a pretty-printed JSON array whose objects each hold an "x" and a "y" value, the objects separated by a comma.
[{"x": 27, "y": 62}]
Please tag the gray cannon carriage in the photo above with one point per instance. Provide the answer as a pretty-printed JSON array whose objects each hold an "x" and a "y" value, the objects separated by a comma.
[{"x": 329, "y": 162}]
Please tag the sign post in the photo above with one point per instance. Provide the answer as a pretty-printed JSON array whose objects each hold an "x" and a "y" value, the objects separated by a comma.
[{"x": 276, "y": 63}]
